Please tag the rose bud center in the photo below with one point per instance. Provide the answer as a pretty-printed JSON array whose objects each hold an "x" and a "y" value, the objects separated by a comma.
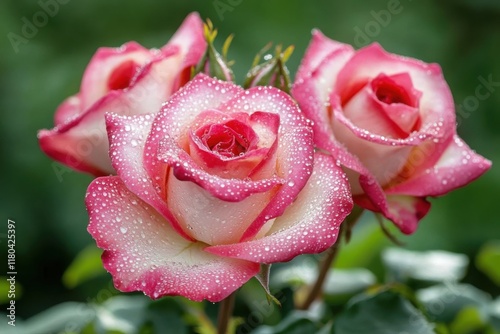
[
  {"x": 225, "y": 139},
  {"x": 387, "y": 105},
  {"x": 389, "y": 91}
]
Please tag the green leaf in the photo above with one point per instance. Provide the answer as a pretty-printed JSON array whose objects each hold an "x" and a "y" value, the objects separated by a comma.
[
  {"x": 301, "y": 271},
  {"x": 387, "y": 312},
  {"x": 85, "y": 266},
  {"x": 444, "y": 302},
  {"x": 469, "y": 320},
  {"x": 296, "y": 322},
  {"x": 65, "y": 317},
  {"x": 495, "y": 314},
  {"x": 338, "y": 281},
  {"x": 125, "y": 314},
  {"x": 433, "y": 266},
  {"x": 348, "y": 281},
  {"x": 165, "y": 315},
  {"x": 488, "y": 259}
]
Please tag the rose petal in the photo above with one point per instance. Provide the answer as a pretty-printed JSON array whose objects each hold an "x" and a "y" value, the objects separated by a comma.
[
  {"x": 319, "y": 49},
  {"x": 295, "y": 163},
  {"x": 400, "y": 100},
  {"x": 259, "y": 130},
  {"x": 407, "y": 211},
  {"x": 82, "y": 143},
  {"x": 457, "y": 166},
  {"x": 171, "y": 127},
  {"x": 294, "y": 152},
  {"x": 312, "y": 93},
  {"x": 209, "y": 219},
  {"x": 178, "y": 113},
  {"x": 436, "y": 104},
  {"x": 127, "y": 137},
  {"x": 310, "y": 225},
  {"x": 395, "y": 120},
  {"x": 186, "y": 169},
  {"x": 312, "y": 87},
  {"x": 270, "y": 100},
  {"x": 105, "y": 61},
  {"x": 371, "y": 154},
  {"x": 143, "y": 253},
  {"x": 190, "y": 40},
  {"x": 67, "y": 110}
]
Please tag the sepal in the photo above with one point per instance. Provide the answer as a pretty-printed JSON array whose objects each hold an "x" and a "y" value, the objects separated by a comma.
[
  {"x": 271, "y": 72},
  {"x": 213, "y": 63}
]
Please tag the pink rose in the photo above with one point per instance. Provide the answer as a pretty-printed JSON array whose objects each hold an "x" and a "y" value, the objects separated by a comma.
[
  {"x": 130, "y": 80},
  {"x": 221, "y": 180},
  {"x": 394, "y": 118}
]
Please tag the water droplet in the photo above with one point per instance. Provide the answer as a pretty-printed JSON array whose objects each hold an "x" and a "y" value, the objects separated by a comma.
[{"x": 123, "y": 230}]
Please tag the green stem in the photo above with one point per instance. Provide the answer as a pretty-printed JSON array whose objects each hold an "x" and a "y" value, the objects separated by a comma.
[
  {"x": 329, "y": 257},
  {"x": 225, "y": 312}
]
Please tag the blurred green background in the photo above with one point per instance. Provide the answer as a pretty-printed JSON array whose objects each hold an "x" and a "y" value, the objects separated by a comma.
[{"x": 462, "y": 36}]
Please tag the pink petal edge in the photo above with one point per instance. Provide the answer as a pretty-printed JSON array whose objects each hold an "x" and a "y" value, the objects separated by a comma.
[
  {"x": 82, "y": 142},
  {"x": 127, "y": 137},
  {"x": 310, "y": 225},
  {"x": 143, "y": 253},
  {"x": 457, "y": 166}
]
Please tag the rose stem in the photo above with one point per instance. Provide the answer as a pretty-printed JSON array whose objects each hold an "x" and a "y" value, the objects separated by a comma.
[
  {"x": 329, "y": 257},
  {"x": 225, "y": 311}
]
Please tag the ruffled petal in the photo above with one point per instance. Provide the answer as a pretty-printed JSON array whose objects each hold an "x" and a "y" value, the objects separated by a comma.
[
  {"x": 371, "y": 154},
  {"x": 345, "y": 76},
  {"x": 82, "y": 142},
  {"x": 143, "y": 253},
  {"x": 171, "y": 129},
  {"x": 295, "y": 147},
  {"x": 457, "y": 166},
  {"x": 190, "y": 40},
  {"x": 295, "y": 163},
  {"x": 181, "y": 110},
  {"x": 106, "y": 65},
  {"x": 186, "y": 169},
  {"x": 254, "y": 136},
  {"x": 407, "y": 211},
  {"x": 320, "y": 48},
  {"x": 210, "y": 219},
  {"x": 69, "y": 109},
  {"x": 437, "y": 111},
  {"x": 127, "y": 137},
  {"x": 313, "y": 84},
  {"x": 310, "y": 225}
]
